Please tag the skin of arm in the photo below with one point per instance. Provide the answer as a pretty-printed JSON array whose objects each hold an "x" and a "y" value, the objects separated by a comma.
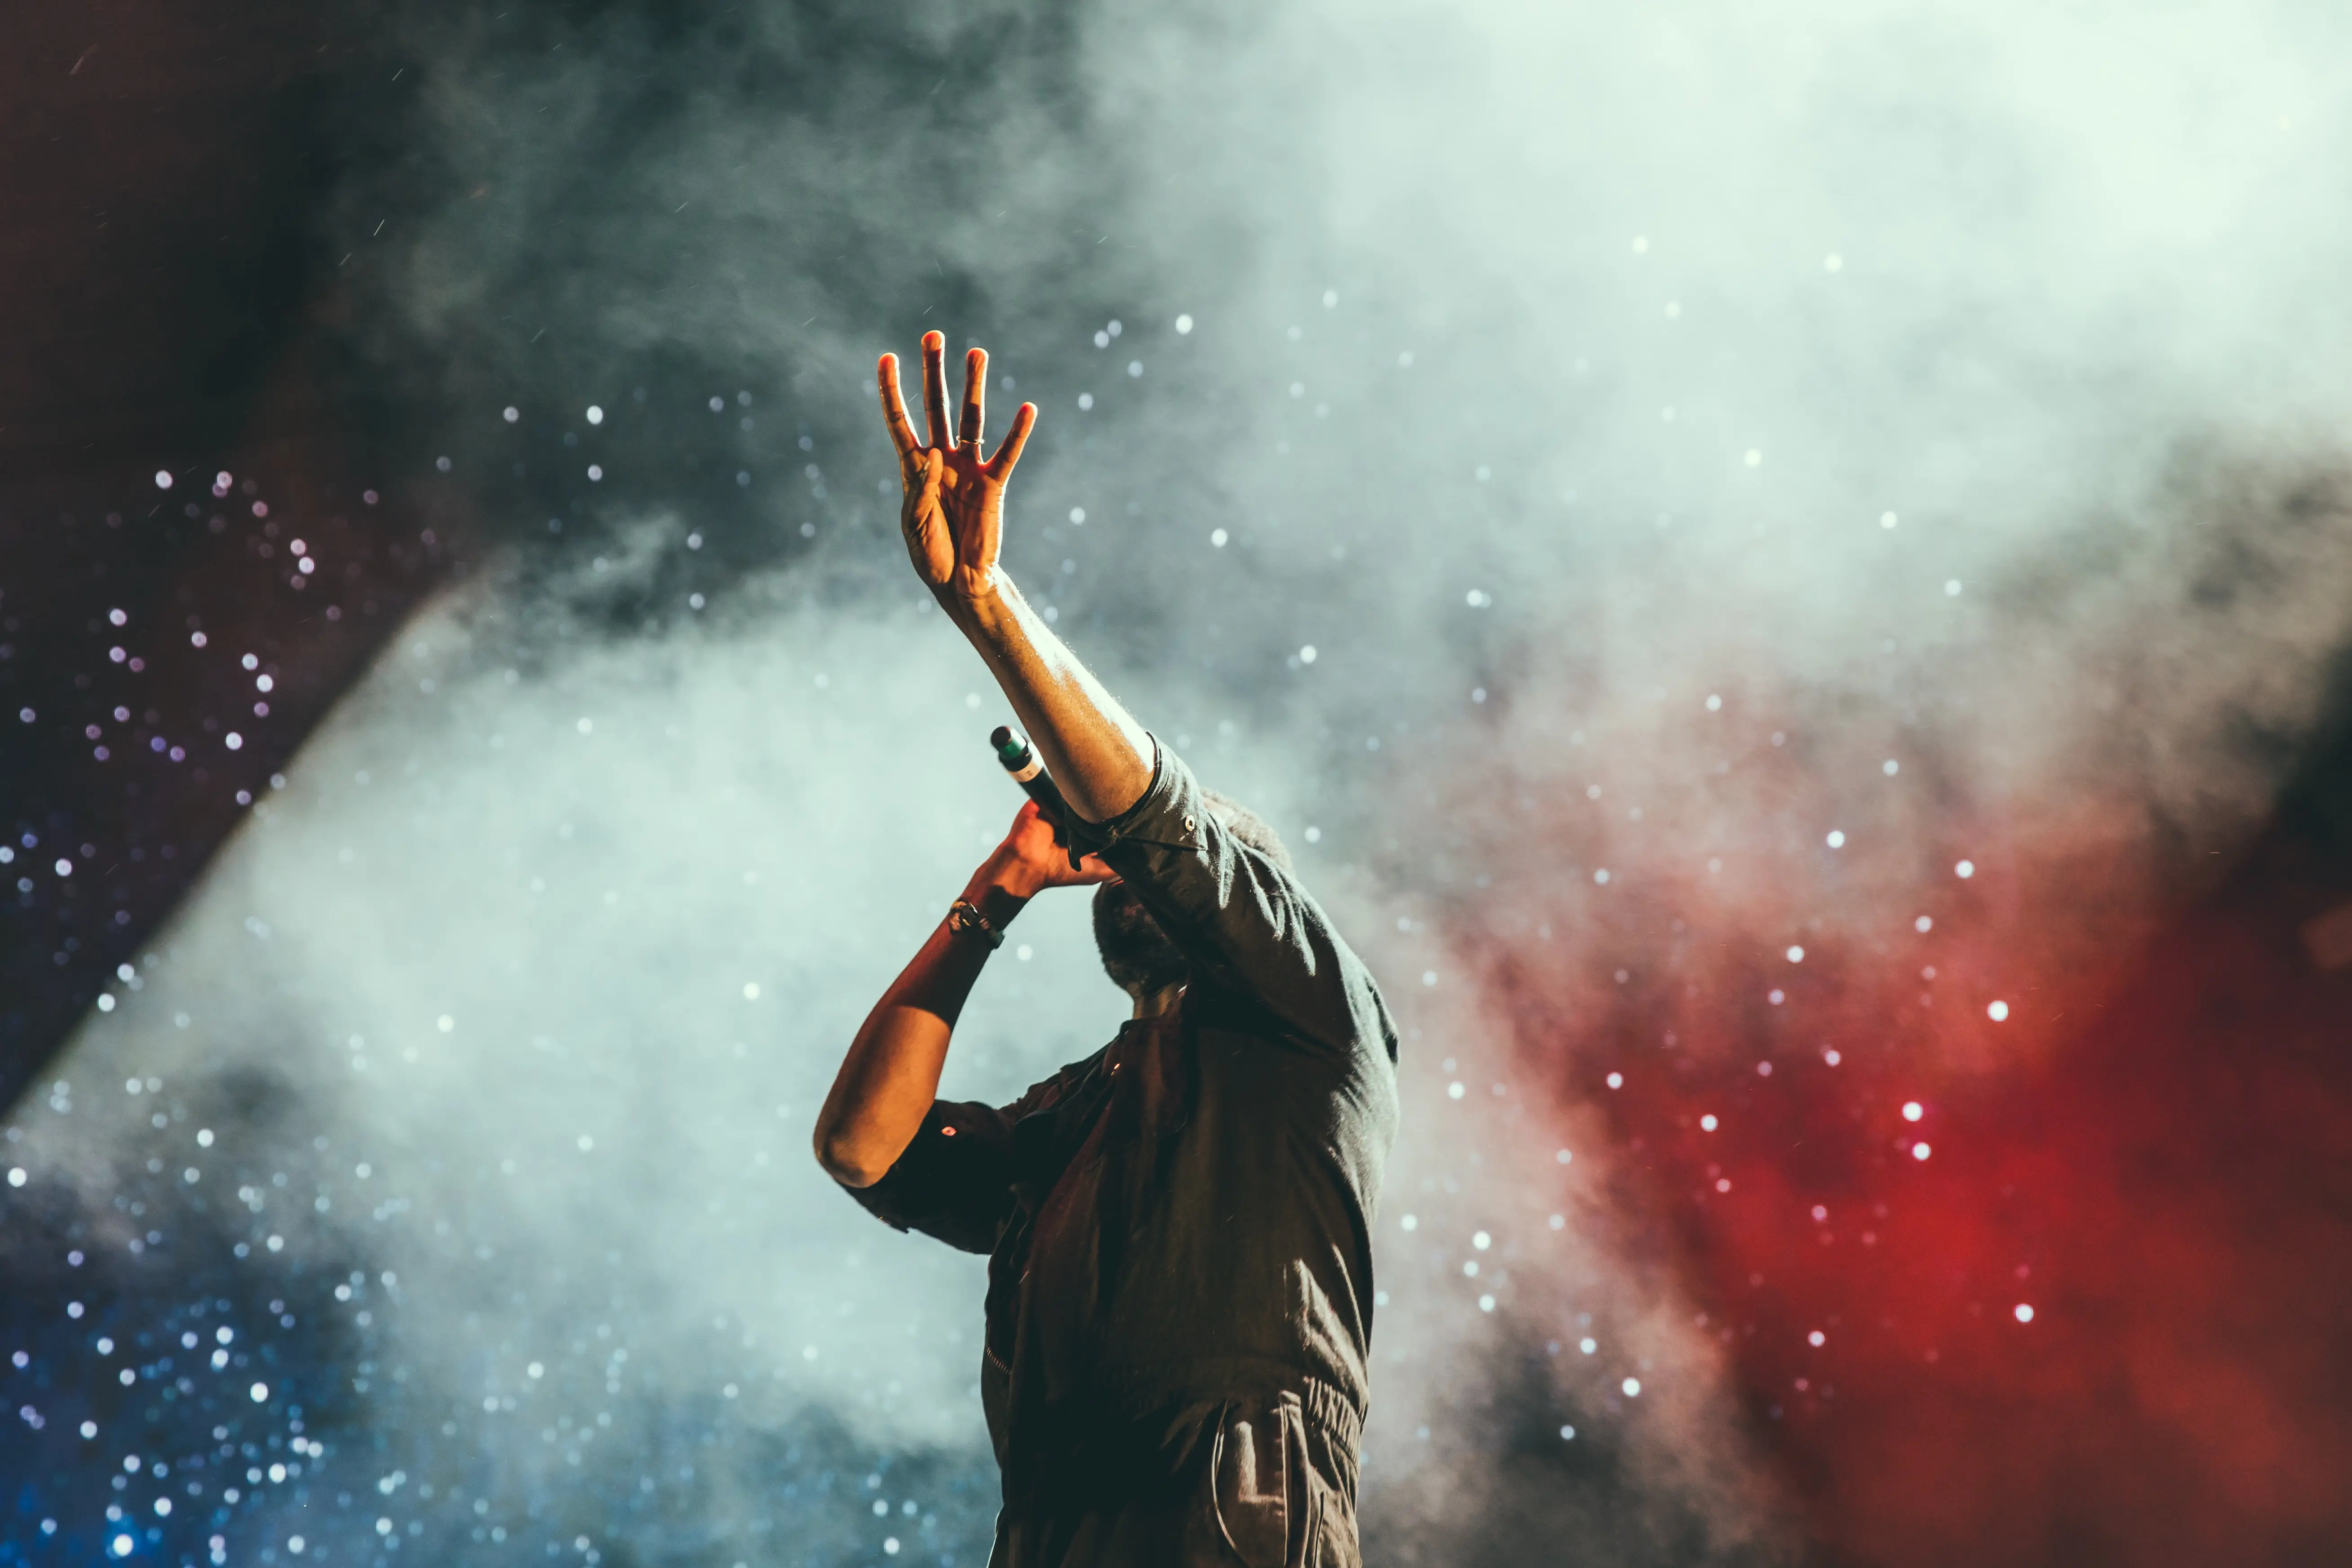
[
  {"x": 891, "y": 1075},
  {"x": 952, "y": 519}
]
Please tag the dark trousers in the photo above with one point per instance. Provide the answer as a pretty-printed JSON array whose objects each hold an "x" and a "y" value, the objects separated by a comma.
[{"x": 1238, "y": 1484}]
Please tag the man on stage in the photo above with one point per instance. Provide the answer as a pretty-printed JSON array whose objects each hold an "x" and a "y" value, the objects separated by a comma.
[{"x": 1179, "y": 1229}]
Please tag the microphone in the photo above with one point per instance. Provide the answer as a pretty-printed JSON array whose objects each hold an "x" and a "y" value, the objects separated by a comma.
[{"x": 1028, "y": 770}]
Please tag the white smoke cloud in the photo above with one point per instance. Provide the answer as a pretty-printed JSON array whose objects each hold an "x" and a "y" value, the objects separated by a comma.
[{"x": 1943, "y": 380}]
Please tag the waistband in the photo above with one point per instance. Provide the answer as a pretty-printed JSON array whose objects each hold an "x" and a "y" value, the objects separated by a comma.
[
  {"x": 1143, "y": 1390},
  {"x": 1138, "y": 1436}
]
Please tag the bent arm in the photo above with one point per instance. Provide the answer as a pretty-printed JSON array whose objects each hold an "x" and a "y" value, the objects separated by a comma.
[
  {"x": 891, "y": 1075},
  {"x": 1098, "y": 753}
]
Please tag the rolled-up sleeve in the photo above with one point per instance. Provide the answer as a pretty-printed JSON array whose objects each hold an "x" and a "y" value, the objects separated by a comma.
[
  {"x": 955, "y": 1179},
  {"x": 1246, "y": 922}
]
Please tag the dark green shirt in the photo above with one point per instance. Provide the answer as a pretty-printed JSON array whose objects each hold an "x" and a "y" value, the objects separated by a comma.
[{"x": 1187, "y": 1214}]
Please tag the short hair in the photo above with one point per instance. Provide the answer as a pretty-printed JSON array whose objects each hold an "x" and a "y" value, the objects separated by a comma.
[{"x": 1248, "y": 827}]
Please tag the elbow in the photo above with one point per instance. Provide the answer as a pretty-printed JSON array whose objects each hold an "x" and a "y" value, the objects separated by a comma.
[{"x": 842, "y": 1159}]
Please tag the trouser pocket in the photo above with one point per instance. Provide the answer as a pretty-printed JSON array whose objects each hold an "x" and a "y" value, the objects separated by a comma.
[{"x": 1261, "y": 1493}]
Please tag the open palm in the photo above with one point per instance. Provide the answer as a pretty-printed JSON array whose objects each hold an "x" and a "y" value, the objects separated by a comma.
[{"x": 952, "y": 509}]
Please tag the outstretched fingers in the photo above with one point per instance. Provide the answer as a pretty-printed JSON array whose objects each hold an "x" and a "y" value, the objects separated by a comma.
[
  {"x": 935, "y": 389},
  {"x": 1000, "y": 466},
  {"x": 975, "y": 398},
  {"x": 894, "y": 406}
]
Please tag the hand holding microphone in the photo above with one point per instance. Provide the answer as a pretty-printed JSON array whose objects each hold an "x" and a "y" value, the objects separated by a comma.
[{"x": 1041, "y": 838}]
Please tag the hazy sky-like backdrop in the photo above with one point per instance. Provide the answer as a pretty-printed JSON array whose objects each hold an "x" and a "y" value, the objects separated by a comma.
[{"x": 1749, "y": 552}]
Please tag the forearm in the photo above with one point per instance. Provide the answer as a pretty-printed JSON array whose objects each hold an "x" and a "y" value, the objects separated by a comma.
[
  {"x": 1098, "y": 753},
  {"x": 891, "y": 1074}
]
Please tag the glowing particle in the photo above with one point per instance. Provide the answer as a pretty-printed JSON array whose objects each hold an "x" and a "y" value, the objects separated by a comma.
[
  {"x": 510, "y": 413},
  {"x": 1890, "y": 767},
  {"x": 1776, "y": 996},
  {"x": 1588, "y": 1345},
  {"x": 1817, "y": 1339},
  {"x": 1485, "y": 1303},
  {"x": 1563, "y": 1157},
  {"x": 1217, "y": 536},
  {"x": 1837, "y": 840},
  {"x": 1410, "y": 1222},
  {"x": 1886, "y": 520},
  {"x": 163, "y": 478},
  {"x": 1567, "y": 1434},
  {"x": 1920, "y": 1151},
  {"x": 595, "y": 472},
  {"x": 1602, "y": 877},
  {"x": 1831, "y": 1057},
  {"x": 1924, "y": 924},
  {"x": 1616, "y": 1080},
  {"x": 1707, "y": 1122},
  {"x": 1184, "y": 324},
  {"x": 1429, "y": 977},
  {"x": 1723, "y": 1184},
  {"x": 1306, "y": 654},
  {"x": 235, "y": 742},
  {"x": 1821, "y": 1213},
  {"x": 260, "y": 1392},
  {"x": 1965, "y": 869},
  {"x": 445, "y": 1023},
  {"x": 2025, "y": 1312},
  {"x": 1454, "y": 1091},
  {"x": 1633, "y": 1387},
  {"x": 1796, "y": 955},
  {"x": 1913, "y": 1111},
  {"x": 595, "y": 415},
  {"x": 1714, "y": 702},
  {"x": 1998, "y": 1012},
  {"x": 1482, "y": 1241}
]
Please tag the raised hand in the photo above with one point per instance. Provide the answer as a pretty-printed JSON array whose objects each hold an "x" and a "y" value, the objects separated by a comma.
[{"x": 951, "y": 511}]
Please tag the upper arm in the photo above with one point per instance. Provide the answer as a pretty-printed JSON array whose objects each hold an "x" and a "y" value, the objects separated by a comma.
[
  {"x": 1246, "y": 922},
  {"x": 953, "y": 1182}
]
